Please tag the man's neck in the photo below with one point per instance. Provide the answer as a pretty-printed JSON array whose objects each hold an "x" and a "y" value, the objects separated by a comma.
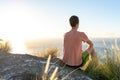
[{"x": 74, "y": 28}]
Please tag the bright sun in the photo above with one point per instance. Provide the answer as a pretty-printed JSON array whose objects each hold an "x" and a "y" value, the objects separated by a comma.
[{"x": 20, "y": 22}]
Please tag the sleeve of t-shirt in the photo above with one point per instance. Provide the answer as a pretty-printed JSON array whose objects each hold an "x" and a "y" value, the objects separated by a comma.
[{"x": 84, "y": 37}]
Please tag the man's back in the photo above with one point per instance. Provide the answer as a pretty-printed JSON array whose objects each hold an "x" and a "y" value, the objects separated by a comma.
[{"x": 73, "y": 47}]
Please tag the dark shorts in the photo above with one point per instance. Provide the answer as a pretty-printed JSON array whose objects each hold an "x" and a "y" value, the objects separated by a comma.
[{"x": 85, "y": 58}]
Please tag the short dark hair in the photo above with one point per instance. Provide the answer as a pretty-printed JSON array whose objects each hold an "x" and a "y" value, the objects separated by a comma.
[{"x": 73, "y": 20}]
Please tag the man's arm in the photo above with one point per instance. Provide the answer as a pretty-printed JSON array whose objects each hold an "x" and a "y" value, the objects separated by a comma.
[{"x": 90, "y": 47}]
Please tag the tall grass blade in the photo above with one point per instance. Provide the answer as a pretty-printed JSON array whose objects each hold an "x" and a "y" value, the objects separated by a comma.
[
  {"x": 53, "y": 76},
  {"x": 46, "y": 68}
]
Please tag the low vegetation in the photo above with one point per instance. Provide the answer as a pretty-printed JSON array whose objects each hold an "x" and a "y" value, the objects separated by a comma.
[
  {"x": 53, "y": 51},
  {"x": 5, "y": 46},
  {"x": 107, "y": 68}
]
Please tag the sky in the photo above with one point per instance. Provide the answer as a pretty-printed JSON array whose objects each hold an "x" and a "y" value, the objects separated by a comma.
[{"x": 22, "y": 20}]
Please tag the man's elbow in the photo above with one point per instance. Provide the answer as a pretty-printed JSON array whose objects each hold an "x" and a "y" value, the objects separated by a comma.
[{"x": 91, "y": 44}]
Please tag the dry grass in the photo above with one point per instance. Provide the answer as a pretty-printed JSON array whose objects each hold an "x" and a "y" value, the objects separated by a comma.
[
  {"x": 5, "y": 46},
  {"x": 53, "y": 51},
  {"x": 107, "y": 70},
  {"x": 54, "y": 74}
]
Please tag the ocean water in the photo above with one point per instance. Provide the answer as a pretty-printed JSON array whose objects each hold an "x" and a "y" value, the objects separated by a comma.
[
  {"x": 103, "y": 45},
  {"x": 100, "y": 45}
]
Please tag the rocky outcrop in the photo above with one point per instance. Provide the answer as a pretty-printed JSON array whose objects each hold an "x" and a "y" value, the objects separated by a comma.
[{"x": 28, "y": 67}]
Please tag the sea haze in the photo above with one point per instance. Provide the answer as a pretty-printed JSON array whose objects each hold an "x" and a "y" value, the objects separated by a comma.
[{"x": 100, "y": 44}]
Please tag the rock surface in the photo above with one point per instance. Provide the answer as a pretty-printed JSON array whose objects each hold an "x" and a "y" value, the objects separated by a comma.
[{"x": 28, "y": 67}]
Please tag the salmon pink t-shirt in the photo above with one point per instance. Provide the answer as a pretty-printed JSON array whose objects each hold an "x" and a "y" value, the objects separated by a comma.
[{"x": 72, "y": 53}]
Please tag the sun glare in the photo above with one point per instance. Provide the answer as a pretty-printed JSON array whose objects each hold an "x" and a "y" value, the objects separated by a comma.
[{"x": 20, "y": 23}]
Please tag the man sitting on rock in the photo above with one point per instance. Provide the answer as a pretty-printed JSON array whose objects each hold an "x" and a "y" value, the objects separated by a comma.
[{"x": 72, "y": 53}]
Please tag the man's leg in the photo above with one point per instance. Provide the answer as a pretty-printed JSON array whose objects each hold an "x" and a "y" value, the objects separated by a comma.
[{"x": 86, "y": 58}]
